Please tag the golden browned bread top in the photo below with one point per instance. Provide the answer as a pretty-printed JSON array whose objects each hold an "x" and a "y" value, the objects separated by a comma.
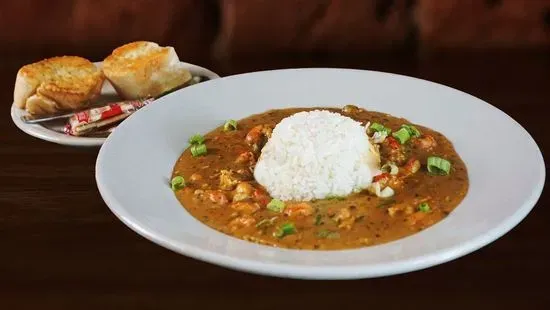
[
  {"x": 144, "y": 69},
  {"x": 135, "y": 56},
  {"x": 68, "y": 81},
  {"x": 70, "y": 74}
]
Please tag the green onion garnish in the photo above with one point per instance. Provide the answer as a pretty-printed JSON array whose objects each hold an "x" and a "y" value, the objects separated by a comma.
[
  {"x": 196, "y": 139},
  {"x": 438, "y": 165},
  {"x": 327, "y": 234},
  {"x": 276, "y": 205},
  {"x": 424, "y": 207},
  {"x": 198, "y": 150},
  {"x": 413, "y": 131},
  {"x": 377, "y": 127},
  {"x": 285, "y": 230},
  {"x": 177, "y": 183},
  {"x": 230, "y": 125},
  {"x": 402, "y": 135}
]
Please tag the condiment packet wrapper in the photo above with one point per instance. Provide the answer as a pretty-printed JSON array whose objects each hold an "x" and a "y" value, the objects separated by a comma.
[{"x": 93, "y": 120}]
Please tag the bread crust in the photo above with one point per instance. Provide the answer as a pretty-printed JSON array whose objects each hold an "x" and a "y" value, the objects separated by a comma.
[
  {"x": 57, "y": 84},
  {"x": 144, "y": 69}
]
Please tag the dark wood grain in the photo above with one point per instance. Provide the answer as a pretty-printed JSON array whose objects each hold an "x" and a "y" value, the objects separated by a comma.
[{"x": 61, "y": 248}]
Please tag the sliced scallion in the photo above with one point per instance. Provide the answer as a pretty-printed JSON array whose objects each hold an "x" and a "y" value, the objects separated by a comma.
[
  {"x": 276, "y": 205},
  {"x": 196, "y": 139},
  {"x": 198, "y": 150},
  {"x": 438, "y": 166},
  {"x": 177, "y": 183},
  {"x": 230, "y": 125},
  {"x": 377, "y": 127},
  {"x": 424, "y": 207},
  {"x": 402, "y": 135},
  {"x": 285, "y": 230},
  {"x": 413, "y": 131}
]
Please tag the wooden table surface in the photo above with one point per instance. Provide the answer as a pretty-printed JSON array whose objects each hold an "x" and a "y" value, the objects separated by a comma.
[{"x": 61, "y": 247}]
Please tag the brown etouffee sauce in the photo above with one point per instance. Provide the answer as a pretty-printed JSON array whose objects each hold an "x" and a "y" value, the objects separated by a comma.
[{"x": 358, "y": 220}]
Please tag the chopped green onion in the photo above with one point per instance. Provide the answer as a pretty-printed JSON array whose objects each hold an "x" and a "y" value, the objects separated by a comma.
[
  {"x": 230, "y": 125},
  {"x": 177, "y": 183},
  {"x": 276, "y": 205},
  {"x": 377, "y": 127},
  {"x": 438, "y": 165},
  {"x": 390, "y": 168},
  {"x": 198, "y": 150},
  {"x": 327, "y": 234},
  {"x": 424, "y": 207},
  {"x": 266, "y": 222},
  {"x": 285, "y": 230},
  {"x": 413, "y": 131},
  {"x": 196, "y": 139},
  {"x": 402, "y": 135}
]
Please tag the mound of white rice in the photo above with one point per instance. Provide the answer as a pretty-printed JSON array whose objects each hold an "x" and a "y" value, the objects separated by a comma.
[{"x": 315, "y": 155}]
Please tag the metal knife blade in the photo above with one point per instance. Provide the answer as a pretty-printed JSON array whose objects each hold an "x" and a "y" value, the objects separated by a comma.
[{"x": 29, "y": 119}]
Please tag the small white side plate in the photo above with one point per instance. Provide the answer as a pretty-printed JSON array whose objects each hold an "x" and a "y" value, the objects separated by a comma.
[
  {"x": 52, "y": 131},
  {"x": 506, "y": 171}
]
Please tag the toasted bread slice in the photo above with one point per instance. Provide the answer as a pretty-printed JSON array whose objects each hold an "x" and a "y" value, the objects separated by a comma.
[
  {"x": 57, "y": 84},
  {"x": 144, "y": 69}
]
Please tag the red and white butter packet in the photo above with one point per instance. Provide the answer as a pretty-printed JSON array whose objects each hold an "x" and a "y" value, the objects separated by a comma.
[{"x": 97, "y": 119}]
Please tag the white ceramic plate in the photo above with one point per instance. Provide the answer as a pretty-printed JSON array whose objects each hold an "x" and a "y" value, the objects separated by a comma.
[
  {"x": 506, "y": 170},
  {"x": 52, "y": 131}
]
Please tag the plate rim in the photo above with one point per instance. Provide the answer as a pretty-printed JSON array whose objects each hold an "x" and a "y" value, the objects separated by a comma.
[
  {"x": 342, "y": 272},
  {"x": 43, "y": 133}
]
